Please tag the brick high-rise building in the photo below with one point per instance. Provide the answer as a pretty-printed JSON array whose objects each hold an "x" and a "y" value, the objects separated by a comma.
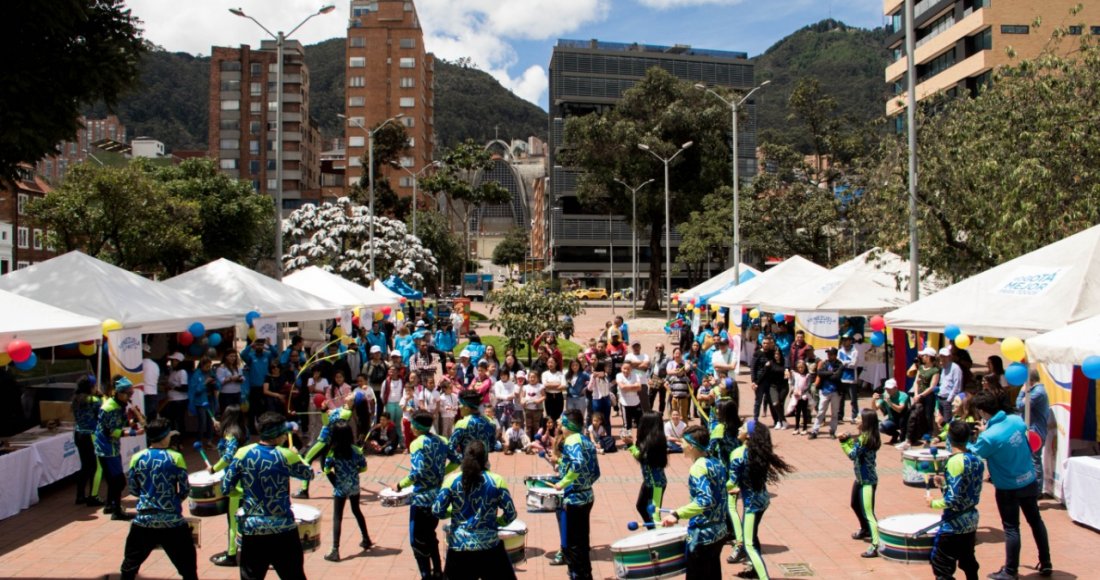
[
  {"x": 23, "y": 241},
  {"x": 388, "y": 74},
  {"x": 242, "y": 119},
  {"x": 72, "y": 152}
]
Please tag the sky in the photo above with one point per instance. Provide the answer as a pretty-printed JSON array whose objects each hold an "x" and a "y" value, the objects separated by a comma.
[{"x": 510, "y": 39}]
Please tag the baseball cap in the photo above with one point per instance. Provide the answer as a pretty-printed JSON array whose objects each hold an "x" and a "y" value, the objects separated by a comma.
[
  {"x": 375, "y": 349},
  {"x": 928, "y": 351},
  {"x": 123, "y": 384},
  {"x": 521, "y": 375},
  {"x": 635, "y": 342},
  {"x": 420, "y": 324},
  {"x": 890, "y": 384},
  {"x": 945, "y": 351},
  {"x": 464, "y": 354},
  {"x": 394, "y": 353},
  {"x": 831, "y": 350},
  {"x": 176, "y": 356}
]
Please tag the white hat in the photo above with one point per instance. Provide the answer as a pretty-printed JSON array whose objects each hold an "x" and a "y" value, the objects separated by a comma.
[
  {"x": 521, "y": 375},
  {"x": 928, "y": 351},
  {"x": 176, "y": 356},
  {"x": 464, "y": 354},
  {"x": 890, "y": 384},
  {"x": 376, "y": 349},
  {"x": 421, "y": 324},
  {"x": 945, "y": 351},
  {"x": 394, "y": 353}
]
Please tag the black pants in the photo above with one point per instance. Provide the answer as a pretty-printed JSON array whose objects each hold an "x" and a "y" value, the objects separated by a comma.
[
  {"x": 802, "y": 412},
  {"x": 577, "y": 541},
  {"x": 175, "y": 411},
  {"x": 778, "y": 395},
  {"x": 282, "y": 551},
  {"x": 762, "y": 397},
  {"x": 338, "y": 518},
  {"x": 704, "y": 562},
  {"x": 491, "y": 564},
  {"x": 895, "y": 429},
  {"x": 633, "y": 415},
  {"x": 859, "y": 508},
  {"x": 176, "y": 543},
  {"x": 918, "y": 420},
  {"x": 116, "y": 479},
  {"x": 425, "y": 545},
  {"x": 1010, "y": 502},
  {"x": 645, "y": 496},
  {"x": 951, "y": 549},
  {"x": 86, "y": 450},
  {"x": 363, "y": 420},
  {"x": 227, "y": 399},
  {"x": 555, "y": 404}
]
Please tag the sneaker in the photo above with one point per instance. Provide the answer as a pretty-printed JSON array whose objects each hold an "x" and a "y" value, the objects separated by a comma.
[
  {"x": 749, "y": 572},
  {"x": 122, "y": 515},
  {"x": 224, "y": 559},
  {"x": 108, "y": 509},
  {"x": 366, "y": 544},
  {"x": 333, "y": 556},
  {"x": 812, "y": 435},
  {"x": 1045, "y": 569},
  {"x": 871, "y": 552},
  {"x": 861, "y": 535},
  {"x": 301, "y": 494},
  {"x": 1002, "y": 574},
  {"x": 782, "y": 425},
  {"x": 797, "y": 431},
  {"x": 558, "y": 559},
  {"x": 903, "y": 446},
  {"x": 94, "y": 501},
  {"x": 739, "y": 555}
]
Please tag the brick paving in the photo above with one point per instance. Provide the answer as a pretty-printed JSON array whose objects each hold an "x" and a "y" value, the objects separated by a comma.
[{"x": 809, "y": 520}]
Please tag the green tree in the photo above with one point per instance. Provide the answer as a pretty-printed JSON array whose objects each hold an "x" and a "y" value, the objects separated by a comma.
[
  {"x": 528, "y": 310},
  {"x": 706, "y": 234},
  {"x": 663, "y": 113},
  {"x": 513, "y": 249},
  {"x": 1000, "y": 174},
  {"x": 66, "y": 54},
  {"x": 390, "y": 141},
  {"x": 435, "y": 233}
]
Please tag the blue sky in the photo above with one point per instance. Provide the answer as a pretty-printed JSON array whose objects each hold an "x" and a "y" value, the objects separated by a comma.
[{"x": 512, "y": 39}]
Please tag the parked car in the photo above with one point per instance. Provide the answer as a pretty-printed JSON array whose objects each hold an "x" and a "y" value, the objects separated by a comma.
[{"x": 592, "y": 293}]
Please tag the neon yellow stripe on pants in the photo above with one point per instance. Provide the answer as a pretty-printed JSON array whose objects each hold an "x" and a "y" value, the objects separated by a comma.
[
  {"x": 868, "y": 495},
  {"x": 658, "y": 495},
  {"x": 234, "y": 505},
  {"x": 731, "y": 503},
  {"x": 751, "y": 521}
]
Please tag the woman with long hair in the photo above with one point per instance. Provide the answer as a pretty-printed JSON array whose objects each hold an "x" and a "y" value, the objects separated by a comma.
[
  {"x": 651, "y": 451},
  {"x": 706, "y": 512},
  {"x": 576, "y": 381},
  {"x": 86, "y": 404},
  {"x": 232, "y": 427},
  {"x": 862, "y": 449},
  {"x": 231, "y": 376},
  {"x": 491, "y": 357},
  {"x": 472, "y": 498},
  {"x": 725, "y": 426},
  {"x": 753, "y": 466},
  {"x": 926, "y": 373},
  {"x": 343, "y": 464},
  {"x": 553, "y": 381}
]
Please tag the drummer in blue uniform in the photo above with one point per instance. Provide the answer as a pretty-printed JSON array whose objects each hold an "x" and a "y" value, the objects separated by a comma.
[
  {"x": 962, "y": 489},
  {"x": 707, "y": 509},
  {"x": 581, "y": 471},
  {"x": 472, "y": 426},
  {"x": 320, "y": 447},
  {"x": 108, "y": 434}
]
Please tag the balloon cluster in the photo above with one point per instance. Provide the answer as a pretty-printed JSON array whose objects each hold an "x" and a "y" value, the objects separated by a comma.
[
  {"x": 19, "y": 353},
  {"x": 196, "y": 338}
]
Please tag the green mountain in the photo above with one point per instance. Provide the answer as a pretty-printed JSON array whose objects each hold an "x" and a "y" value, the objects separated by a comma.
[{"x": 848, "y": 62}]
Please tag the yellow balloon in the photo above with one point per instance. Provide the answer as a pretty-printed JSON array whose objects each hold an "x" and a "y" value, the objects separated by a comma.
[
  {"x": 347, "y": 340},
  {"x": 1013, "y": 349},
  {"x": 400, "y": 316},
  {"x": 111, "y": 324},
  {"x": 355, "y": 312},
  {"x": 989, "y": 339},
  {"x": 377, "y": 315},
  {"x": 87, "y": 349},
  {"x": 754, "y": 313},
  {"x": 5, "y": 360},
  {"x": 962, "y": 341},
  {"x": 675, "y": 302},
  {"x": 251, "y": 334},
  {"x": 338, "y": 331}
]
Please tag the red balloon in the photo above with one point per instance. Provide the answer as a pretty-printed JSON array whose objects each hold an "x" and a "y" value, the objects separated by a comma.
[
  {"x": 185, "y": 338},
  {"x": 404, "y": 300},
  {"x": 386, "y": 311},
  {"x": 19, "y": 350},
  {"x": 878, "y": 323},
  {"x": 319, "y": 401},
  {"x": 355, "y": 321}
]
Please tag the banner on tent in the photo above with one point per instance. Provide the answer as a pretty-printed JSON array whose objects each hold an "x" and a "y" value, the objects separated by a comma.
[
  {"x": 1059, "y": 381},
  {"x": 822, "y": 328},
  {"x": 267, "y": 329},
  {"x": 345, "y": 321},
  {"x": 125, "y": 356}
]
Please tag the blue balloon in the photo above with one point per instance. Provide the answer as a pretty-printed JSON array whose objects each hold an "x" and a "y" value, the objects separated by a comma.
[
  {"x": 779, "y": 317},
  {"x": 196, "y": 329},
  {"x": 878, "y": 339},
  {"x": 28, "y": 364},
  {"x": 1016, "y": 374},
  {"x": 214, "y": 339},
  {"x": 951, "y": 331},
  {"x": 1091, "y": 367},
  {"x": 251, "y": 317}
]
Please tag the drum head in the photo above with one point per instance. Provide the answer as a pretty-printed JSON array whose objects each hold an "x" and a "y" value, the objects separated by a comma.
[
  {"x": 389, "y": 492},
  {"x": 651, "y": 539},
  {"x": 204, "y": 477},
  {"x": 305, "y": 513},
  {"x": 517, "y": 526},
  {"x": 545, "y": 491},
  {"x": 906, "y": 525},
  {"x": 922, "y": 455}
]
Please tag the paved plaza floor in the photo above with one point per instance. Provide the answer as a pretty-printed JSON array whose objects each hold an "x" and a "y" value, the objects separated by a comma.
[{"x": 805, "y": 533}]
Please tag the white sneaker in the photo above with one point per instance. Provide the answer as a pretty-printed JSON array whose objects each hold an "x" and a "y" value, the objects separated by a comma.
[{"x": 903, "y": 446}]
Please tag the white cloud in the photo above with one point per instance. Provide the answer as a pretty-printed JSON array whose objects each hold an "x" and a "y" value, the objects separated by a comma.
[{"x": 672, "y": 4}]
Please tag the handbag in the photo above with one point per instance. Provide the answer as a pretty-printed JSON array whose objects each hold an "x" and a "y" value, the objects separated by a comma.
[{"x": 792, "y": 402}]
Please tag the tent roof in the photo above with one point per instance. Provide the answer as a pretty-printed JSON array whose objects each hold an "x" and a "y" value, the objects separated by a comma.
[
  {"x": 718, "y": 284},
  {"x": 402, "y": 288},
  {"x": 41, "y": 324},
  {"x": 1035, "y": 293},
  {"x": 382, "y": 289},
  {"x": 873, "y": 282},
  {"x": 85, "y": 285},
  {"x": 233, "y": 287},
  {"x": 1068, "y": 345},
  {"x": 779, "y": 278},
  {"x": 335, "y": 288}
]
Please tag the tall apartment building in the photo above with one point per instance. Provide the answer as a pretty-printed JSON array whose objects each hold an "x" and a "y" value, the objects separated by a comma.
[
  {"x": 388, "y": 74},
  {"x": 23, "y": 241},
  {"x": 243, "y": 125},
  {"x": 958, "y": 43},
  {"x": 76, "y": 150},
  {"x": 590, "y": 76}
]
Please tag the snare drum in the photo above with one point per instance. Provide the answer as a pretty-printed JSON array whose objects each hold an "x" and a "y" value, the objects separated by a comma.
[
  {"x": 919, "y": 464},
  {"x": 308, "y": 519},
  {"x": 543, "y": 499},
  {"x": 514, "y": 536},
  {"x": 205, "y": 498},
  {"x": 898, "y": 541},
  {"x": 392, "y": 499},
  {"x": 659, "y": 553}
]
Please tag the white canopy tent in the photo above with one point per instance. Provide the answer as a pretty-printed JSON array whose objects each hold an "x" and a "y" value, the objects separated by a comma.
[
  {"x": 381, "y": 288},
  {"x": 1069, "y": 345},
  {"x": 873, "y": 282},
  {"x": 703, "y": 293},
  {"x": 1035, "y": 293},
  {"x": 41, "y": 324},
  {"x": 233, "y": 287},
  {"x": 336, "y": 289},
  {"x": 85, "y": 285},
  {"x": 783, "y": 276}
]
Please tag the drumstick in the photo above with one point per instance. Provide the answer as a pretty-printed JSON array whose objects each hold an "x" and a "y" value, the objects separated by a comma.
[
  {"x": 198, "y": 447},
  {"x": 653, "y": 509},
  {"x": 928, "y": 478},
  {"x": 633, "y": 526}
]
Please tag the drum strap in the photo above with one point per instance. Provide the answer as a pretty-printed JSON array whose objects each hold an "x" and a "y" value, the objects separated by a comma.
[{"x": 946, "y": 520}]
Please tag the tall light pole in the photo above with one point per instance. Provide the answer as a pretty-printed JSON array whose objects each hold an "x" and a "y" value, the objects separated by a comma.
[
  {"x": 668, "y": 225},
  {"x": 280, "y": 42},
  {"x": 911, "y": 125},
  {"x": 611, "y": 259},
  {"x": 735, "y": 109},
  {"x": 634, "y": 239},
  {"x": 370, "y": 172},
  {"x": 416, "y": 181}
]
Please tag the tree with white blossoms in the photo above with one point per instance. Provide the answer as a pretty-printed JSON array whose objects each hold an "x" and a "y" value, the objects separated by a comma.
[{"x": 336, "y": 238}]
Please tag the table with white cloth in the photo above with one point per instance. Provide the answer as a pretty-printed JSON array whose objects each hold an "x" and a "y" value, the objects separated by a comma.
[{"x": 1079, "y": 490}]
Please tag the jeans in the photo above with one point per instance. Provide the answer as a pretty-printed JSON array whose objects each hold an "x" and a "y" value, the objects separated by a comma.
[
  {"x": 576, "y": 404},
  {"x": 778, "y": 395},
  {"x": 602, "y": 406},
  {"x": 851, "y": 392},
  {"x": 895, "y": 429},
  {"x": 177, "y": 546},
  {"x": 762, "y": 397},
  {"x": 829, "y": 402},
  {"x": 1010, "y": 502},
  {"x": 657, "y": 393}
]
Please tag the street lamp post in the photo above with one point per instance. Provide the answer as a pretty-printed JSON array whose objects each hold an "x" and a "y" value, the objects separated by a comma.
[
  {"x": 911, "y": 125},
  {"x": 370, "y": 173},
  {"x": 280, "y": 42},
  {"x": 735, "y": 108},
  {"x": 416, "y": 181},
  {"x": 668, "y": 225},
  {"x": 634, "y": 239}
]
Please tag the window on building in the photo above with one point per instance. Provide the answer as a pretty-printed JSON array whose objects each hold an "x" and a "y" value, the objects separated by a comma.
[
  {"x": 231, "y": 105},
  {"x": 357, "y": 62},
  {"x": 254, "y": 167},
  {"x": 357, "y": 101},
  {"x": 405, "y": 181},
  {"x": 407, "y": 162},
  {"x": 1015, "y": 29},
  {"x": 22, "y": 264},
  {"x": 408, "y": 121},
  {"x": 255, "y": 107},
  {"x": 355, "y": 162},
  {"x": 21, "y": 204},
  {"x": 1094, "y": 30},
  {"x": 356, "y": 122},
  {"x": 21, "y": 236},
  {"x": 356, "y": 141},
  {"x": 255, "y": 185},
  {"x": 230, "y": 144},
  {"x": 408, "y": 7},
  {"x": 271, "y": 165},
  {"x": 979, "y": 42},
  {"x": 408, "y": 82},
  {"x": 407, "y": 43},
  {"x": 272, "y": 67},
  {"x": 254, "y": 147},
  {"x": 407, "y": 62},
  {"x": 407, "y": 102},
  {"x": 255, "y": 68},
  {"x": 272, "y": 106},
  {"x": 272, "y": 184},
  {"x": 357, "y": 82},
  {"x": 230, "y": 65},
  {"x": 358, "y": 11},
  {"x": 254, "y": 127},
  {"x": 39, "y": 239},
  {"x": 231, "y": 85},
  {"x": 229, "y": 125},
  {"x": 357, "y": 41},
  {"x": 1076, "y": 30},
  {"x": 255, "y": 89},
  {"x": 228, "y": 163}
]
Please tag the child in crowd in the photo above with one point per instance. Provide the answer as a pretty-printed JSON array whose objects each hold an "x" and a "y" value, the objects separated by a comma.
[
  {"x": 862, "y": 450},
  {"x": 491, "y": 416},
  {"x": 597, "y": 433},
  {"x": 516, "y": 439},
  {"x": 800, "y": 390},
  {"x": 545, "y": 436},
  {"x": 447, "y": 409},
  {"x": 382, "y": 439},
  {"x": 532, "y": 396},
  {"x": 343, "y": 465},
  {"x": 408, "y": 407}
]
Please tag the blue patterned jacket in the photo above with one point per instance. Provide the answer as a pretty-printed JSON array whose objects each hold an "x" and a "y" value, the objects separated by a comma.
[
  {"x": 961, "y": 492},
  {"x": 344, "y": 472},
  {"x": 159, "y": 478},
  {"x": 582, "y": 470},
  {"x": 263, "y": 473},
  {"x": 429, "y": 455},
  {"x": 474, "y": 520},
  {"x": 863, "y": 460},
  {"x": 706, "y": 512}
]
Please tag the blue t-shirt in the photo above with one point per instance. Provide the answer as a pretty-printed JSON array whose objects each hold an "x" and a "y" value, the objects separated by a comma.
[{"x": 1004, "y": 446}]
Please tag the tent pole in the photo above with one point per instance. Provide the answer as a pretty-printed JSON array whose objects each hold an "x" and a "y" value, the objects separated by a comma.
[{"x": 99, "y": 363}]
